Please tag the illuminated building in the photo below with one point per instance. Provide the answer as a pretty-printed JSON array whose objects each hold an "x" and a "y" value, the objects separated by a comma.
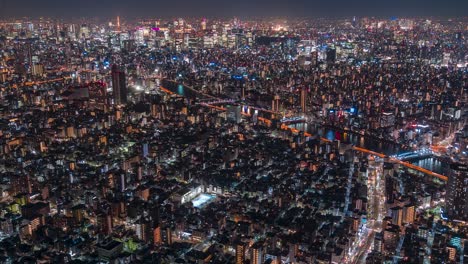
[
  {"x": 452, "y": 252},
  {"x": 387, "y": 119},
  {"x": 391, "y": 238},
  {"x": 118, "y": 23},
  {"x": 423, "y": 232},
  {"x": 157, "y": 238},
  {"x": 378, "y": 242},
  {"x": 105, "y": 223},
  {"x": 409, "y": 214},
  {"x": 234, "y": 113},
  {"x": 457, "y": 201},
  {"x": 240, "y": 252},
  {"x": 275, "y": 103},
  {"x": 203, "y": 24},
  {"x": 256, "y": 254},
  {"x": 397, "y": 215},
  {"x": 78, "y": 213},
  {"x": 3, "y": 74},
  {"x": 119, "y": 85},
  {"x": 37, "y": 69}
]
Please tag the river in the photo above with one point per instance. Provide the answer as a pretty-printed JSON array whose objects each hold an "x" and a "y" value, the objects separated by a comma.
[
  {"x": 370, "y": 143},
  {"x": 367, "y": 142}
]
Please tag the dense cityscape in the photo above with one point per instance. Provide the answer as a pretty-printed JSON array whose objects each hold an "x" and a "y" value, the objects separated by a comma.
[{"x": 202, "y": 140}]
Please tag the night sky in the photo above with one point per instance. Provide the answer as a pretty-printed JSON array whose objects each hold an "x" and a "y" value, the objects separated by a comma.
[{"x": 240, "y": 8}]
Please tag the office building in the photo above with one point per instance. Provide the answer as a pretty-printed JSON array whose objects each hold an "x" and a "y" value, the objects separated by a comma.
[
  {"x": 387, "y": 119},
  {"x": 409, "y": 214},
  {"x": 256, "y": 254},
  {"x": 234, "y": 114},
  {"x": 240, "y": 252},
  {"x": 119, "y": 85},
  {"x": 456, "y": 200},
  {"x": 397, "y": 215}
]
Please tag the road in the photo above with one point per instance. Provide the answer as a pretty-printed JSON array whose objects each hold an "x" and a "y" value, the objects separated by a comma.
[{"x": 375, "y": 213}]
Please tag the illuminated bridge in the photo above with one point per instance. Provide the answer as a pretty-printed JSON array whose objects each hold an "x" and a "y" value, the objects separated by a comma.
[
  {"x": 415, "y": 155},
  {"x": 404, "y": 163},
  {"x": 293, "y": 120},
  {"x": 217, "y": 102}
]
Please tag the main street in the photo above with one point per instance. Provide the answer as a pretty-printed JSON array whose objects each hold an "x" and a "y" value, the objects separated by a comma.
[{"x": 375, "y": 213}]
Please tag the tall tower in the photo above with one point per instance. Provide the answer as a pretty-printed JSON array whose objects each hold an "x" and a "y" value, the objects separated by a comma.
[
  {"x": 242, "y": 88},
  {"x": 457, "y": 201},
  {"x": 203, "y": 24},
  {"x": 119, "y": 85},
  {"x": 118, "y": 23}
]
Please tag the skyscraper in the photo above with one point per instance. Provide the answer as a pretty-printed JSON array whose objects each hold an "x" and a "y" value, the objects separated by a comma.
[
  {"x": 240, "y": 252},
  {"x": 256, "y": 254},
  {"x": 203, "y": 24},
  {"x": 119, "y": 85},
  {"x": 331, "y": 55},
  {"x": 234, "y": 114},
  {"x": 456, "y": 201},
  {"x": 397, "y": 215}
]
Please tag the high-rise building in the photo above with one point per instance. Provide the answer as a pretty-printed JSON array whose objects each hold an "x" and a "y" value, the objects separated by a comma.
[
  {"x": 119, "y": 85},
  {"x": 397, "y": 215},
  {"x": 387, "y": 119},
  {"x": 240, "y": 252},
  {"x": 203, "y": 24},
  {"x": 389, "y": 188},
  {"x": 331, "y": 55},
  {"x": 143, "y": 230},
  {"x": 118, "y": 24},
  {"x": 157, "y": 238},
  {"x": 456, "y": 200},
  {"x": 452, "y": 253},
  {"x": 275, "y": 103},
  {"x": 105, "y": 223},
  {"x": 234, "y": 113},
  {"x": 256, "y": 254},
  {"x": 391, "y": 238},
  {"x": 409, "y": 213}
]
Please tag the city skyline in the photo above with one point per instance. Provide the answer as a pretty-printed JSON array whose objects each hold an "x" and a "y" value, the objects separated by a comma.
[
  {"x": 233, "y": 141},
  {"x": 243, "y": 8}
]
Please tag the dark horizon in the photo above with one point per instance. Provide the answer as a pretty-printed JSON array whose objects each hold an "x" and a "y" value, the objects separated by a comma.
[{"x": 241, "y": 8}]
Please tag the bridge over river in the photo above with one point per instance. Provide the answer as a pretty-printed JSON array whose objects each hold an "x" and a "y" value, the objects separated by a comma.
[{"x": 172, "y": 87}]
